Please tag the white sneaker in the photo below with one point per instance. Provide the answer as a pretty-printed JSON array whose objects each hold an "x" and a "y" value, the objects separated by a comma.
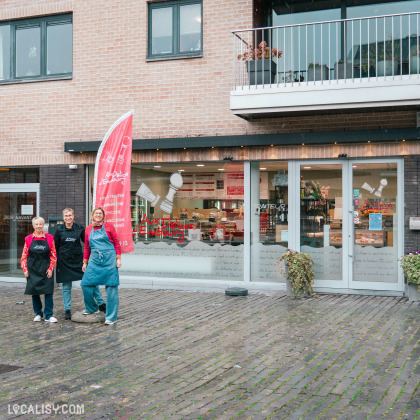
[
  {"x": 37, "y": 318},
  {"x": 51, "y": 319},
  {"x": 85, "y": 312},
  {"x": 109, "y": 322}
]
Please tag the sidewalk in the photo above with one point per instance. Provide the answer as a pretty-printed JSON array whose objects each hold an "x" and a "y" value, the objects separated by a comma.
[{"x": 195, "y": 355}]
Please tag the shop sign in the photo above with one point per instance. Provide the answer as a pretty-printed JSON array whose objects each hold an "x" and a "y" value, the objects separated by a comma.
[{"x": 27, "y": 209}]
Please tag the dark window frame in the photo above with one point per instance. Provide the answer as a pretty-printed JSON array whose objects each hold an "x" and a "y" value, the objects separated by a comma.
[
  {"x": 176, "y": 53},
  {"x": 42, "y": 23}
]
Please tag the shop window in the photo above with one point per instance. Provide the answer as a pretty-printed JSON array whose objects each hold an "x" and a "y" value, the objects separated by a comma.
[
  {"x": 19, "y": 175},
  {"x": 183, "y": 224},
  {"x": 36, "y": 48},
  {"x": 175, "y": 29}
]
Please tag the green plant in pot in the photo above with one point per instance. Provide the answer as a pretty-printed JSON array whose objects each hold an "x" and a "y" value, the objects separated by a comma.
[
  {"x": 410, "y": 263},
  {"x": 260, "y": 64},
  {"x": 299, "y": 272}
]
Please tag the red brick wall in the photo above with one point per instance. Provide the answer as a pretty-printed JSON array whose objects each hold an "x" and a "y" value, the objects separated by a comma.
[{"x": 173, "y": 98}]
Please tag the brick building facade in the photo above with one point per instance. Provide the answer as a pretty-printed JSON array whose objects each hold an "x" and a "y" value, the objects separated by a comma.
[{"x": 186, "y": 98}]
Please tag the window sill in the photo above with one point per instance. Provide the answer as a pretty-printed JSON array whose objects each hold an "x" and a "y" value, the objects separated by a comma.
[
  {"x": 175, "y": 57},
  {"x": 37, "y": 79}
]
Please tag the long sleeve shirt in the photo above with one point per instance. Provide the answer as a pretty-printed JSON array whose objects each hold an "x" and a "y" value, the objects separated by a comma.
[
  {"x": 112, "y": 235},
  {"x": 28, "y": 242}
]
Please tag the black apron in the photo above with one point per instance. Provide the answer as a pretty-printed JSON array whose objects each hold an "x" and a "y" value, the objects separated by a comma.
[
  {"x": 38, "y": 262},
  {"x": 70, "y": 255}
]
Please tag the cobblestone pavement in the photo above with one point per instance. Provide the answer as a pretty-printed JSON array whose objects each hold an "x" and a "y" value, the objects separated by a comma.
[{"x": 195, "y": 355}]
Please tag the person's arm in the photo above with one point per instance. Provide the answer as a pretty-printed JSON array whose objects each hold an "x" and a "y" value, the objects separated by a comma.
[
  {"x": 24, "y": 259},
  {"x": 87, "y": 251},
  {"x": 82, "y": 235}
]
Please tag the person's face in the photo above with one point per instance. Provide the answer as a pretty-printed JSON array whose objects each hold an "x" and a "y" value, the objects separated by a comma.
[
  {"x": 98, "y": 216},
  {"x": 38, "y": 226},
  {"x": 68, "y": 218}
]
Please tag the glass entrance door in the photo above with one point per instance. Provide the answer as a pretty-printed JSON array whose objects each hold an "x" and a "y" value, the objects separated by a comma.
[
  {"x": 17, "y": 208},
  {"x": 321, "y": 220},
  {"x": 351, "y": 216},
  {"x": 376, "y": 242}
]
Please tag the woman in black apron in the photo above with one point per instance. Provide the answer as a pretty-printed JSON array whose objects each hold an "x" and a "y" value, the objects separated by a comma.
[
  {"x": 68, "y": 243},
  {"x": 37, "y": 262}
]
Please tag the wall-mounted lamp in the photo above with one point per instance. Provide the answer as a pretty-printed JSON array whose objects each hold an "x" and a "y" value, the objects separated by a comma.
[
  {"x": 342, "y": 155},
  {"x": 228, "y": 158},
  {"x": 73, "y": 167}
]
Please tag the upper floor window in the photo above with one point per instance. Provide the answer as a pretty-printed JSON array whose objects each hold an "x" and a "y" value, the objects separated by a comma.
[
  {"x": 175, "y": 28},
  {"x": 36, "y": 48}
]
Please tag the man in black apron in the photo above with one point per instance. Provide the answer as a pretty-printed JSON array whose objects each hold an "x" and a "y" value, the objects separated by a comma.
[
  {"x": 68, "y": 240},
  {"x": 38, "y": 260}
]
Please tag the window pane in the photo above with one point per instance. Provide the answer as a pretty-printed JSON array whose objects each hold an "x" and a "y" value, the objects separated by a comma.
[
  {"x": 269, "y": 220},
  {"x": 59, "y": 48},
  {"x": 28, "y": 52},
  {"x": 321, "y": 218},
  {"x": 162, "y": 31},
  {"x": 190, "y": 28},
  {"x": 188, "y": 221},
  {"x": 4, "y": 52}
]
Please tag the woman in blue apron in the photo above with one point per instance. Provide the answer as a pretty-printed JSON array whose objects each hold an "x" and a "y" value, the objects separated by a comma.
[
  {"x": 68, "y": 239},
  {"x": 37, "y": 262},
  {"x": 103, "y": 252}
]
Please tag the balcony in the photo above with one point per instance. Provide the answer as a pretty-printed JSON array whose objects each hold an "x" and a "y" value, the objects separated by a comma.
[{"x": 346, "y": 64}]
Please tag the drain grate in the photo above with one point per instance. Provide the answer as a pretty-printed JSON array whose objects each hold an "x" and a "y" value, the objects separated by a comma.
[{"x": 8, "y": 368}]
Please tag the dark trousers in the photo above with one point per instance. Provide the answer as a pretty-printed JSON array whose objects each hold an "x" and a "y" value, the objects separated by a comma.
[{"x": 49, "y": 305}]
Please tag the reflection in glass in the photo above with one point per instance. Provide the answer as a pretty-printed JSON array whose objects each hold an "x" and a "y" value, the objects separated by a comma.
[
  {"x": 162, "y": 42},
  {"x": 59, "y": 48},
  {"x": 187, "y": 221},
  {"x": 375, "y": 227},
  {"x": 190, "y": 28},
  {"x": 28, "y": 52},
  {"x": 17, "y": 210},
  {"x": 321, "y": 218},
  {"x": 4, "y": 52},
  {"x": 269, "y": 220}
]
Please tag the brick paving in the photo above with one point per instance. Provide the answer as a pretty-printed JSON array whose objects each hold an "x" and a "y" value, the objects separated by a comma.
[{"x": 195, "y": 355}]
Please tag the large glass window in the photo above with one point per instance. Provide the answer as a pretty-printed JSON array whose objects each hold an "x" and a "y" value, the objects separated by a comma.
[
  {"x": 175, "y": 28},
  {"x": 357, "y": 48},
  {"x": 187, "y": 221},
  {"x": 34, "y": 48}
]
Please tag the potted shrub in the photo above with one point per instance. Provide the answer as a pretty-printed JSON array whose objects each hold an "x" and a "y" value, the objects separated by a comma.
[
  {"x": 410, "y": 263},
  {"x": 299, "y": 273},
  {"x": 317, "y": 71},
  {"x": 343, "y": 69},
  {"x": 414, "y": 60},
  {"x": 260, "y": 65},
  {"x": 387, "y": 63}
]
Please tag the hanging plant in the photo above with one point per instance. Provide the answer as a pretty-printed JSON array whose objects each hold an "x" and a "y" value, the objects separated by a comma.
[{"x": 299, "y": 273}]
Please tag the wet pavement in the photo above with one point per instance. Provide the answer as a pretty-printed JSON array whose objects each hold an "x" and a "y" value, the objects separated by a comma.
[{"x": 196, "y": 355}]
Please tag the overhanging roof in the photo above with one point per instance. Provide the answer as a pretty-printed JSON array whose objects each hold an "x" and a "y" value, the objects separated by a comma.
[{"x": 281, "y": 139}]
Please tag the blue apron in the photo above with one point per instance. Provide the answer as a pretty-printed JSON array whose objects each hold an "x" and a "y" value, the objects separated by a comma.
[{"x": 102, "y": 267}]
